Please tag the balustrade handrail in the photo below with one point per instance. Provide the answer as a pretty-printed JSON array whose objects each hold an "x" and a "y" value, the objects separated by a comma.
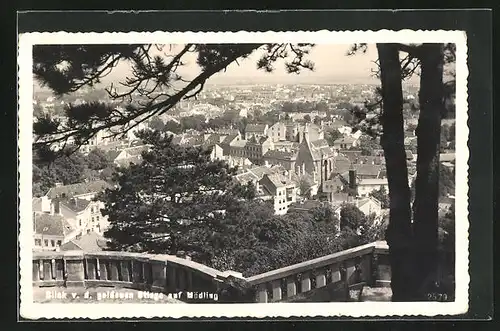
[
  {"x": 364, "y": 264},
  {"x": 195, "y": 266},
  {"x": 318, "y": 262}
]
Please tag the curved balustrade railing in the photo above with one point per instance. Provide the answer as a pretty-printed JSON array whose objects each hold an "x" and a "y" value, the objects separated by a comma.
[
  {"x": 320, "y": 279},
  {"x": 328, "y": 278},
  {"x": 164, "y": 273}
]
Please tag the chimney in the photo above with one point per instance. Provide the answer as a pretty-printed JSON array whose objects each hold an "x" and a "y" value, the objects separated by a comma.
[
  {"x": 352, "y": 178},
  {"x": 55, "y": 206}
]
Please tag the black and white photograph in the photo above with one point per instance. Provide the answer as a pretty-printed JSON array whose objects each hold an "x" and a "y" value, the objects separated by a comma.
[{"x": 320, "y": 172}]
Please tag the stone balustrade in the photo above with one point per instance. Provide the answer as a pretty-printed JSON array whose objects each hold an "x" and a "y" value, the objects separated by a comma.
[
  {"x": 320, "y": 279},
  {"x": 165, "y": 273},
  {"x": 328, "y": 278}
]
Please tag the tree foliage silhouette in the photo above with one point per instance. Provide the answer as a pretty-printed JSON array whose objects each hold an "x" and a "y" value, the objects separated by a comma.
[{"x": 154, "y": 79}]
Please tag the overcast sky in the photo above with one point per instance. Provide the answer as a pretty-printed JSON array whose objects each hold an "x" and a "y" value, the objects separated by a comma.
[{"x": 332, "y": 65}]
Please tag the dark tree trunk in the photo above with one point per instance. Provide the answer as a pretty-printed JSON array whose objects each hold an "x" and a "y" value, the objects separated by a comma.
[
  {"x": 399, "y": 232},
  {"x": 428, "y": 133}
]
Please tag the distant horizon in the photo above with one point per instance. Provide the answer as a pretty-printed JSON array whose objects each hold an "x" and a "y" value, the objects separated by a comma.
[{"x": 332, "y": 66}]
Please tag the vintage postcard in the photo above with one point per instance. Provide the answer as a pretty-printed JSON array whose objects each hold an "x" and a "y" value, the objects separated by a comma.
[{"x": 256, "y": 175}]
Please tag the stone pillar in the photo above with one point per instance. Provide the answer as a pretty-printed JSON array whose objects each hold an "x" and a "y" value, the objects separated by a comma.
[
  {"x": 75, "y": 271},
  {"x": 320, "y": 280},
  {"x": 262, "y": 293},
  {"x": 305, "y": 282},
  {"x": 291, "y": 287},
  {"x": 159, "y": 275},
  {"x": 277, "y": 293}
]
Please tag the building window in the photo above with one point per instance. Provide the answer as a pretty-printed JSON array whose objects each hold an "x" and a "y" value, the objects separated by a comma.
[
  {"x": 59, "y": 243},
  {"x": 38, "y": 242},
  {"x": 52, "y": 243},
  {"x": 91, "y": 209},
  {"x": 92, "y": 220},
  {"x": 46, "y": 242},
  {"x": 97, "y": 218},
  {"x": 88, "y": 231},
  {"x": 79, "y": 222}
]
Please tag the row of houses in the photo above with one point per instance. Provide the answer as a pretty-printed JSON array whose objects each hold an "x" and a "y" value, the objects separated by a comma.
[{"x": 67, "y": 214}]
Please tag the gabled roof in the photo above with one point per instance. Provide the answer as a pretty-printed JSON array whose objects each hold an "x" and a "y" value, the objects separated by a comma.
[
  {"x": 257, "y": 128},
  {"x": 90, "y": 242},
  {"x": 112, "y": 154},
  {"x": 51, "y": 225},
  {"x": 213, "y": 139},
  {"x": 364, "y": 201},
  {"x": 341, "y": 164},
  {"x": 367, "y": 169},
  {"x": 279, "y": 180},
  {"x": 78, "y": 189},
  {"x": 280, "y": 155},
  {"x": 246, "y": 177},
  {"x": 305, "y": 205},
  {"x": 75, "y": 204},
  {"x": 319, "y": 143},
  {"x": 239, "y": 143},
  {"x": 230, "y": 138},
  {"x": 345, "y": 140},
  {"x": 260, "y": 171}
]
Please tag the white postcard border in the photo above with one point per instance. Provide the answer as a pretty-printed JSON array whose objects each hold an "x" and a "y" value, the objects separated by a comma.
[{"x": 31, "y": 310}]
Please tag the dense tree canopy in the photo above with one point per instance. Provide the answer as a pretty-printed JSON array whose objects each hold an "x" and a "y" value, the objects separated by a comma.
[
  {"x": 173, "y": 193},
  {"x": 70, "y": 169}
]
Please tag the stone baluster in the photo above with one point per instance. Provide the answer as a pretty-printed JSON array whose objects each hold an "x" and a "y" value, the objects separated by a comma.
[
  {"x": 159, "y": 273},
  {"x": 262, "y": 293},
  {"x": 336, "y": 274},
  {"x": 321, "y": 279},
  {"x": 40, "y": 270},
  {"x": 171, "y": 277},
  {"x": 291, "y": 286},
  {"x": 103, "y": 270},
  {"x": 36, "y": 270},
  {"x": 277, "y": 293},
  {"x": 181, "y": 278},
  {"x": 47, "y": 270},
  {"x": 53, "y": 268},
  {"x": 59, "y": 273},
  {"x": 125, "y": 270},
  {"x": 137, "y": 272},
  {"x": 91, "y": 268},
  {"x": 147, "y": 272},
  {"x": 114, "y": 270},
  {"x": 374, "y": 269},
  {"x": 305, "y": 282},
  {"x": 345, "y": 280}
]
